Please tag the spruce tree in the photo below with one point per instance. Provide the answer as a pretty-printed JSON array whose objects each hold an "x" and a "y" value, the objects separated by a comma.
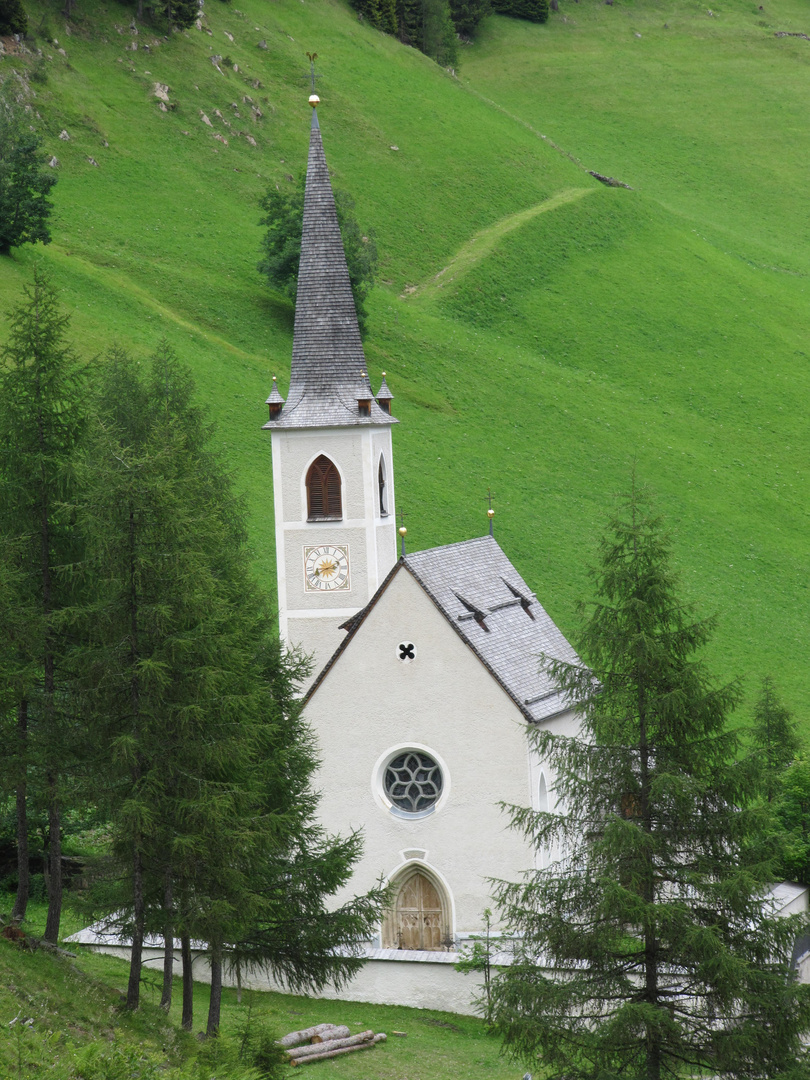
[
  {"x": 42, "y": 396},
  {"x": 774, "y": 736},
  {"x": 646, "y": 947},
  {"x": 25, "y": 181}
]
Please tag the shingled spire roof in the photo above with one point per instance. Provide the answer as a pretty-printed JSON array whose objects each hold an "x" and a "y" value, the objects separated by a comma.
[{"x": 328, "y": 359}]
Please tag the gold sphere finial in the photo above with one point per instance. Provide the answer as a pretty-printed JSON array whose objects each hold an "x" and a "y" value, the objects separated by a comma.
[
  {"x": 383, "y": 374},
  {"x": 274, "y": 378},
  {"x": 403, "y": 531},
  {"x": 490, "y": 513},
  {"x": 314, "y": 100}
]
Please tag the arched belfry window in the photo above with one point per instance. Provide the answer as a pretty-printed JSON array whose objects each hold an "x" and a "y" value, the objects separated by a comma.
[
  {"x": 419, "y": 917},
  {"x": 383, "y": 486},
  {"x": 324, "y": 502}
]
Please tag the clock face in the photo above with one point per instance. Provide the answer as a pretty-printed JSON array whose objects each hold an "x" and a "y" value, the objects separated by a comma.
[{"x": 326, "y": 568}]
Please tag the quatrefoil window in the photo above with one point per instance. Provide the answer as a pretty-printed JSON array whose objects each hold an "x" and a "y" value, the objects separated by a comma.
[
  {"x": 413, "y": 781},
  {"x": 406, "y": 651}
]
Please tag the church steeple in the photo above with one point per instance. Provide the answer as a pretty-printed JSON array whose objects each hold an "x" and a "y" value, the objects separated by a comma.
[
  {"x": 333, "y": 468},
  {"x": 328, "y": 363}
]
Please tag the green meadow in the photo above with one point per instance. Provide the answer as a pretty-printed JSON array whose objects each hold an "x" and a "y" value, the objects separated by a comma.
[
  {"x": 79, "y": 1028},
  {"x": 543, "y": 333}
]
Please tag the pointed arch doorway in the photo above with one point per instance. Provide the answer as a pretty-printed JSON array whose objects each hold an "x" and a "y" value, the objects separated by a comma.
[{"x": 419, "y": 917}]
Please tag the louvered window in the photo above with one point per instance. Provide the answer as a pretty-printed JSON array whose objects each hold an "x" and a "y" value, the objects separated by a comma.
[
  {"x": 323, "y": 491},
  {"x": 383, "y": 488}
]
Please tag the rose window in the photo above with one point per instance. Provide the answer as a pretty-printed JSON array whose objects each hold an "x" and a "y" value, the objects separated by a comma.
[{"x": 413, "y": 781}]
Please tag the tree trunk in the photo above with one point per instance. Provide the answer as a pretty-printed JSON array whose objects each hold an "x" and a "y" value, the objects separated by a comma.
[
  {"x": 187, "y": 1020},
  {"x": 295, "y": 1038},
  {"x": 23, "y": 873},
  {"x": 299, "y": 1052},
  {"x": 134, "y": 985},
  {"x": 54, "y": 863},
  {"x": 215, "y": 1004},
  {"x": 168, "y": 942},
  {"x": 336, "y": 1053}
]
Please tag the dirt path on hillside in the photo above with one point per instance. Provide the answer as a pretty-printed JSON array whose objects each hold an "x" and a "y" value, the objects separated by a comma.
[{"x": 482, "y": 243}]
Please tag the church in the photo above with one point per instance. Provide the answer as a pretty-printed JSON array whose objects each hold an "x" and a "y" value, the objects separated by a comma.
[{"x": 427, "y": 666}]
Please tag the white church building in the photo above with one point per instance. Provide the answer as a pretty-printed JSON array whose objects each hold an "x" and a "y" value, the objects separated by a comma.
[
  {"x": 427, "y": 667},
  {"x": 427, "y": 670}
]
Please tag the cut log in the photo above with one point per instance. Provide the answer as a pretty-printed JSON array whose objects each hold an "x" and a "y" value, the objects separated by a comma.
[
  {"x": 296, "y": 1037},
  {"x": 336, "y": 1053},
  {"x": 330, "y": 1044},
  {"x": 337, "y": 1031}
]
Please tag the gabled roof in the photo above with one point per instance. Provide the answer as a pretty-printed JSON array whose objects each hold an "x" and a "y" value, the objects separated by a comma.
[
  {"x": 328, "y": 360},
  {"x": 492, "y": 609}
]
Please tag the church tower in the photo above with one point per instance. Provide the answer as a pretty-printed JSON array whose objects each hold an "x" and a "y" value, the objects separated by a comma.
[{"x": 333, "y": 473}]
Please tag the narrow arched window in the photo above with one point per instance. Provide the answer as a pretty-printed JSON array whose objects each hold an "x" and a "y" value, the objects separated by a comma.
[
  {"x": 324, "y": 501},
  {"x": 542, "y": 795},
  {"x": 383, "y": 486}
]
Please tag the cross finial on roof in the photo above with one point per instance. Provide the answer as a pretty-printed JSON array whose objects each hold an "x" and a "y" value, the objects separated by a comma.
[
  {"x": 490, "y": 512},
  {"x": 313, "y": 56}
]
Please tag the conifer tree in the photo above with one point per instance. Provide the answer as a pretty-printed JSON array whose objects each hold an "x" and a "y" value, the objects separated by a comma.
[
  {"x": 13, "y": 19},
  {"x": 774, "y": 736},
  {"x": 647, "y": 947},
  {"x": 438, "y": 32},
  {"x": 25, "y": 181},
  {"x": 200, "y": 764},
  {"x": 41, "y": 420}
]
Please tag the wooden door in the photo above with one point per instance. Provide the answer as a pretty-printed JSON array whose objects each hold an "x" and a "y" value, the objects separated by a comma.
[{"x": 419, "y": 915}]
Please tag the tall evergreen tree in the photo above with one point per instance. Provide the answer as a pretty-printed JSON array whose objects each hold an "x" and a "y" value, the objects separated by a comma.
[
  {"x": 25, "y": 181},
  {"x": 774, "y": 736},
  {"x": 201, "y": 759},
  {"x": 438, "y": 32},
  {"x": 42, "y": 397},
  {"x": 467, "y": 15},
  {"x": 647, "y": 947}
]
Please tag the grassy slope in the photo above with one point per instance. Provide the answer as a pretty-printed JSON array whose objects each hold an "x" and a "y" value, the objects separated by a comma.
[
  {"x": 78, "y": 1003},
  {"x": 663, "y": 323}
]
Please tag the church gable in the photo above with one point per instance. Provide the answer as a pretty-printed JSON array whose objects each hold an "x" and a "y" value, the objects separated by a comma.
[{"x": 491, "y": 608}]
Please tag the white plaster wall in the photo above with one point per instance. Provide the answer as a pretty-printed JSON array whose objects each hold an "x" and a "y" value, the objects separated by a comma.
[
  {"x": 446, "y": 701},
  {"x": 420, "y": 985},
  {"x": 370, "y": 538}
]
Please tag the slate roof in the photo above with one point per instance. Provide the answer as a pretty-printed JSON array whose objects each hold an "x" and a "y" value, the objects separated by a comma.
[
  {"x": 328, "y": 359},
  {"x": 490, "y": 606}
]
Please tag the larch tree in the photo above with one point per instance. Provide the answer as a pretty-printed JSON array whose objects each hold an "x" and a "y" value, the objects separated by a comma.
[
  {"x": 200, "y": 756},
  {"x": 42, "y": 394},
  {"x": 647, "y": 947}
]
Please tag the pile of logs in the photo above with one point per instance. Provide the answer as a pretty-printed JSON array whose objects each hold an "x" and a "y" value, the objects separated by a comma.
[{"x": 326, "y": 1041}]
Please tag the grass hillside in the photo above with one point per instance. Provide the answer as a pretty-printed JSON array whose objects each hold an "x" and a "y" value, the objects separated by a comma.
[
  {"x": 79, "y": 1028},
  {"x": 540, "y": 330}
]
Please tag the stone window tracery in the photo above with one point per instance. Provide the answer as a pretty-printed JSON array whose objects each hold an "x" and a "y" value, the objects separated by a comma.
[{"x": 413, "y": 781}]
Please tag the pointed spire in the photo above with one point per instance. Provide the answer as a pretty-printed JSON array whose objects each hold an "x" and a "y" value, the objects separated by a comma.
[{"x": 328, "y": 357}]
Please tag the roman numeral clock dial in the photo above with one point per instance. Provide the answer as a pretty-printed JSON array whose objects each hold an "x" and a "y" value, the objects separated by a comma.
[{"x": 326, "y": 568}]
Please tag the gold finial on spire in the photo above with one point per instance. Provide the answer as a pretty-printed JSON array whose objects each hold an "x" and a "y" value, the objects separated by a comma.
[{"x": 314, "y": 100}]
